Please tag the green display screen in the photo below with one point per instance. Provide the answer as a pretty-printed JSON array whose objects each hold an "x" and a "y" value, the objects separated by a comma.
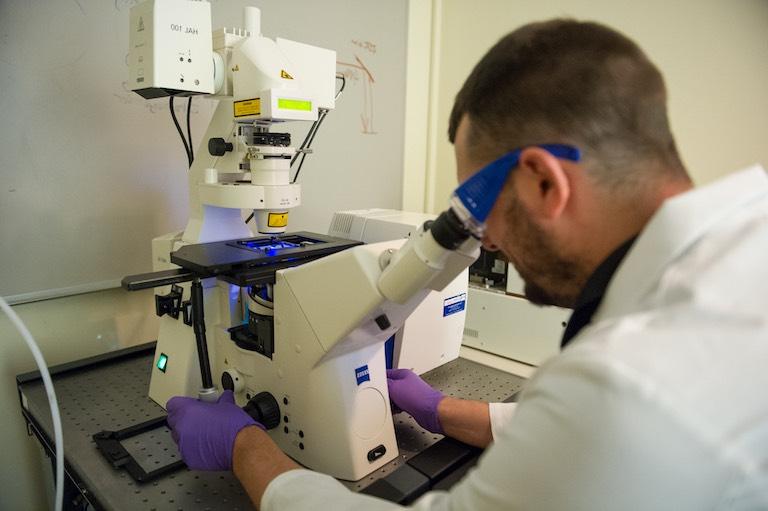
[
  {"x": 162, "y": 362},
  {"x": 294, "y": 104}
]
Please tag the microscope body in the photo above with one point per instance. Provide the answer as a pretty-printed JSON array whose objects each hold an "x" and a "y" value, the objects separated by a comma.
[
  {"x": 302, "y": 345},
  {"x": 328, "y": 372}
]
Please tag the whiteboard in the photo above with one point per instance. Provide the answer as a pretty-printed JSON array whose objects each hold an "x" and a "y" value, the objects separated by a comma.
[{"x": 91, "y": 172}]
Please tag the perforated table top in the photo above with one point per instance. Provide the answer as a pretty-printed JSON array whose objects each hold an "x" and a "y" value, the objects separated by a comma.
[{"x": 112, "y": 395}]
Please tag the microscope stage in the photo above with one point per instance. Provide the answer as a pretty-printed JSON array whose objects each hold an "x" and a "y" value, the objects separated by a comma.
[{"x": 254, "y": 260}]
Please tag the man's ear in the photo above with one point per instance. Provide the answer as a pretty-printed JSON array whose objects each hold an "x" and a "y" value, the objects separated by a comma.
[{"x": 542, "y": 183}]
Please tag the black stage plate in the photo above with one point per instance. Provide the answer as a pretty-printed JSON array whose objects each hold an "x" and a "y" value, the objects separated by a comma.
[{"x": 228, "y": 258}]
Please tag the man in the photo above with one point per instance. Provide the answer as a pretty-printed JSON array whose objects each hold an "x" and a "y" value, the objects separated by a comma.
[{"x": 658, "y": 400}]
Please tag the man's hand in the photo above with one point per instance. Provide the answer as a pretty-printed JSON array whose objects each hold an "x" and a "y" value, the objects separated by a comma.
[
  {"x": 206, "y": 432},
  {"x": 462, "y": 419},
  {"x": 411, "y": 394}
]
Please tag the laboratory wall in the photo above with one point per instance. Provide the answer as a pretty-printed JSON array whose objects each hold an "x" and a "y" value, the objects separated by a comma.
[{"x": 712, "y": 53}]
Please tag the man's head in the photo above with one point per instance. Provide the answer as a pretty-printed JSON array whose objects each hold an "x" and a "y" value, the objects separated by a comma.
[{"x": 576, "y": 83}]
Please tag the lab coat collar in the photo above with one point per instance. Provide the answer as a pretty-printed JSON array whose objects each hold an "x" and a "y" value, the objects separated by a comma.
[
  {"x": 677, "y": 225},
  {"x": 592, "y": 295}
]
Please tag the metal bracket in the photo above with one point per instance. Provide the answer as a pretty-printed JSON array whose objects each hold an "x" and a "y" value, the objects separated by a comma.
[
  {"x": 169, "y": 304},
  {"x": 109, "y": 444},
  {"x": 186, "y": 309}
]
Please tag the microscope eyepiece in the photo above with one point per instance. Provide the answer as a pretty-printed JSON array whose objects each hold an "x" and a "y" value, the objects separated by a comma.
[{"x": 449, "y": 232}]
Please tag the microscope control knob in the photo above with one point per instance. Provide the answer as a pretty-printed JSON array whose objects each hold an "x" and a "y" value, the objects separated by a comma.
[
  {"x": 218, "y": 146},
  {"x": 264, "y": 409}
]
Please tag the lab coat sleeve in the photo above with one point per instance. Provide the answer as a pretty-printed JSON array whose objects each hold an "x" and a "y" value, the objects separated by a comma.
[
  {"x": 312, "y": 491},
  {"x": 501, "y": 414},
  {"x": 588, "y": 434}
]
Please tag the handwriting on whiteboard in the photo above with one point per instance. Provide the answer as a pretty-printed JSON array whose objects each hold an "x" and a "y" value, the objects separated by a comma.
[
  {"x": 365, "y": 45},
  {"x": 356, "y": 71},
  {"x": 124, "y": 5}
]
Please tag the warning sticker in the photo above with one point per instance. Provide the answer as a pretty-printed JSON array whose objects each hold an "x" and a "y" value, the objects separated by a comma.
[
  {"x": 277, "y": 219},
  {"x": 454, "y": 304},
  {"x": 284, "y": 74},
  {"x": 247, "y": 107}
]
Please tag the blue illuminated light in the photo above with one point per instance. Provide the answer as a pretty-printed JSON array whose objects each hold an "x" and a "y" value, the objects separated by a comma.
[{"x": 269, "y": 248}]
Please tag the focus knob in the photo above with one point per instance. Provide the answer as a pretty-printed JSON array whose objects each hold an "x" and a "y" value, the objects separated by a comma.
[
  {"x": 218, "y": 146},
  {"x": 264, "y": 409}
]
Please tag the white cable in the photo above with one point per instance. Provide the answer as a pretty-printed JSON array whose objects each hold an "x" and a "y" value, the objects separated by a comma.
[{"x": 57, "y": 432}]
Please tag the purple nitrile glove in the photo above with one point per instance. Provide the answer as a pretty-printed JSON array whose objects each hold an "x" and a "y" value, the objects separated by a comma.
[
  {"x": 205, "y": 432},
  {"x": 411, "y": 394}
]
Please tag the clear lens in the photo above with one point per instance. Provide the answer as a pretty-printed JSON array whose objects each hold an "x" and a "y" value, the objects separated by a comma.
[{"x": 470, "y": 223}]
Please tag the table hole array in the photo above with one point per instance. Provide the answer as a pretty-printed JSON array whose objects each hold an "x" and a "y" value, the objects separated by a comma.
[{"x": 115, "y": 396}]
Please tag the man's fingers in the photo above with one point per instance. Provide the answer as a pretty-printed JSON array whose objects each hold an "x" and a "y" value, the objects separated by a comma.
[
  {"x": 173, "y": 404},
  {"x": 398, "y": 374},
  {"x": 175, "y": 407},
  {"x": 227, "y": 397}
]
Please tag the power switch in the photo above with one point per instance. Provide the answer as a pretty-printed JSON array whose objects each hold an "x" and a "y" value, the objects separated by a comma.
[
  {"x": 376, "y": 453},
  {"x": 383, "y": 322}
]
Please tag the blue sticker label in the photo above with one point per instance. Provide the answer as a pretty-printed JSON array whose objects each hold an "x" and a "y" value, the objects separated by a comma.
[
  {"x": 454, "y": 304},
  {"x": 362, "y": 374}
]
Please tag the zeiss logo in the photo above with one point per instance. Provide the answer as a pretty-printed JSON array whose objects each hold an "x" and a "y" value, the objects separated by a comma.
[{"x": 362, "y": 375}]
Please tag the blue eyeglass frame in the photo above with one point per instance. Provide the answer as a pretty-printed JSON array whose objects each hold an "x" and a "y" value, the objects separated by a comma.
[{"x": 479, "y": 193}]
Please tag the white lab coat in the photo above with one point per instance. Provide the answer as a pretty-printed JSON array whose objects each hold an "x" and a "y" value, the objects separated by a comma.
[{"x": 660, "y": 404}]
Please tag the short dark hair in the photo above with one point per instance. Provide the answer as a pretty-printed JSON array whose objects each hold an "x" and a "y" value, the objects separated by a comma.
[{"x": 571, "y": 82}]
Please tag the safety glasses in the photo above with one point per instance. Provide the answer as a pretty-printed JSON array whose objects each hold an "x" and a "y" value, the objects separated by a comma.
[{"x": 473, "y": 200}]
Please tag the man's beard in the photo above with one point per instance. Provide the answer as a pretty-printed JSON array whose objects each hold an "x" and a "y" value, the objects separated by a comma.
[{"x": 550, "y": 278}]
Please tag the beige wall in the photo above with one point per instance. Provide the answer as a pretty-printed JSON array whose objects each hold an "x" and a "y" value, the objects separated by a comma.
[
  {"x": 713, "y": 54},
  {"x": 66, "y": 329}
]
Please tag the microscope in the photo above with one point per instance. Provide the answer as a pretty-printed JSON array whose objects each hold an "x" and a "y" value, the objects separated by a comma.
[{"x": 293, "y": 323}]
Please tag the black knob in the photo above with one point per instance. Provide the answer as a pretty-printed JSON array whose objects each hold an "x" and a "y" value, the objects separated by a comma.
[
  {"x": 264, "y": 409},
  {"x": 227, "y": 383},
  {"x": 217, "y": 146}
]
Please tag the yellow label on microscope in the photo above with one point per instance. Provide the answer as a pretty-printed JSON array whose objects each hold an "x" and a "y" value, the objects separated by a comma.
[
  {"x": 247, "y": 107},
  {"x": 277, "y": 219}
]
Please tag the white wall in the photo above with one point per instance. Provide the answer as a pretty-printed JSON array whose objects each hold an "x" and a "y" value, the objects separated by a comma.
[
  {"x": 66, "y": 329},
  {"x": 712, "y": 53}
]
